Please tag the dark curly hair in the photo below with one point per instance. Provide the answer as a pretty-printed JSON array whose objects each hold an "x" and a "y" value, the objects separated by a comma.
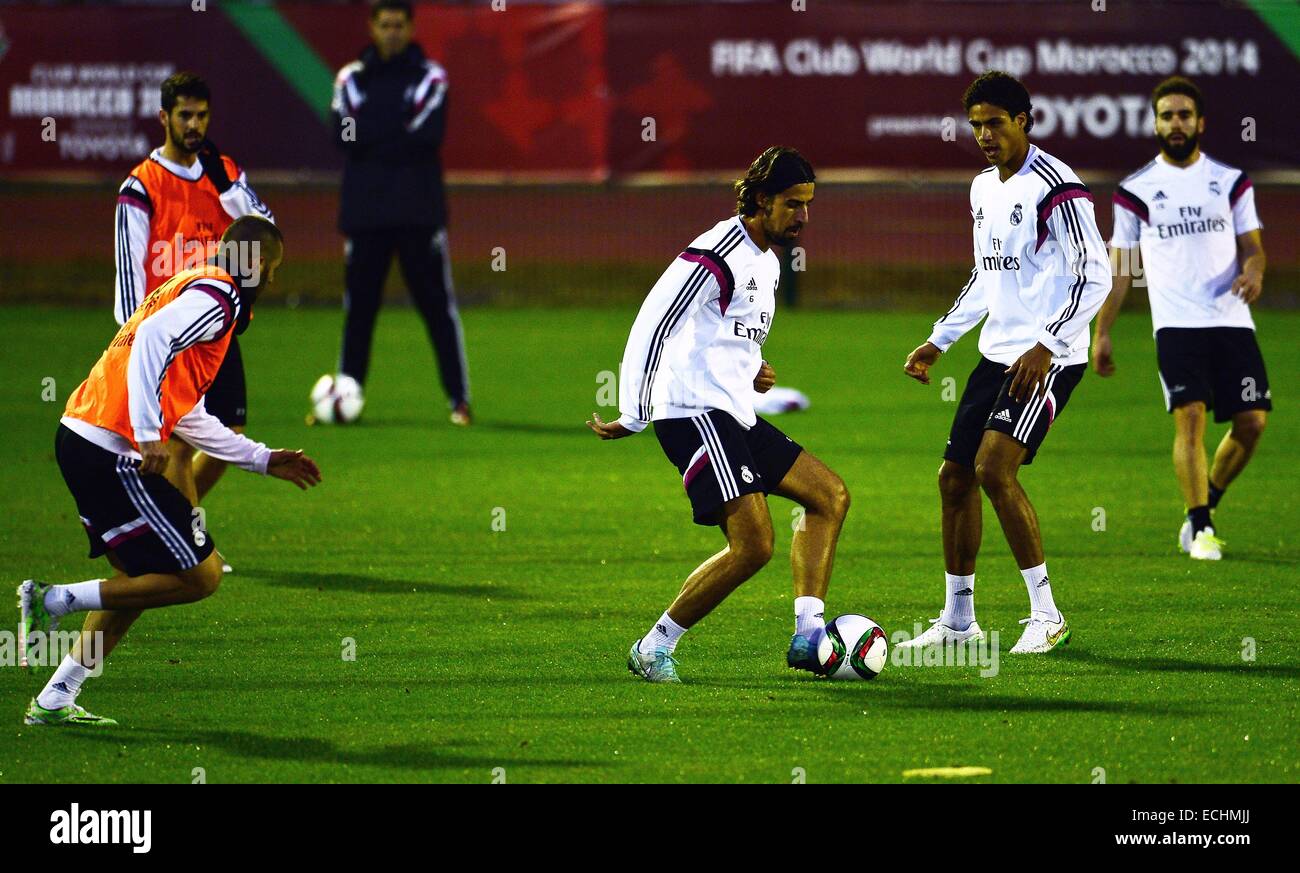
[
  {"x": 1000, "y": 89},
  {"x": 776, "y": 169},
  {"x": 183, "y": 84}
]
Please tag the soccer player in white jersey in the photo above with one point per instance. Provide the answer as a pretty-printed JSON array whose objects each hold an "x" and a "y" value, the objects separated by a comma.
[
  {"x": 1040, "y": 274},
  {"x": 1193, "y": 219},
  {"x": 693, "y": 361}
]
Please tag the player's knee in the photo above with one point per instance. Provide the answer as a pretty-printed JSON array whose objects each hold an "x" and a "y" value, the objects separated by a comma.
[
  {"x": 834, "y": 500},
  {"x": 754, "y": 551},
  {"x": 1247, "y": 429},
  {"x": 203, "y": 580},
  {"x": 993, "y": 478},
  {"x": 1190, "y": 417},
  {"x": 955, "y": 482}
]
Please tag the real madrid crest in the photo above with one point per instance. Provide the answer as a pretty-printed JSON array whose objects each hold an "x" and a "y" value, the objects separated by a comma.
[{"x": 1016, "y": 214}]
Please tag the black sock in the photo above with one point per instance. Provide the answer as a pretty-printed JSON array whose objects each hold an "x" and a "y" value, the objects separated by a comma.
[
  {"x": 1200, "y": 519},
  {"x": 1216, "y": 494}
]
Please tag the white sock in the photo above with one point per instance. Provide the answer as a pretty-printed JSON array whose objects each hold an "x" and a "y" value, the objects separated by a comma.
[
  {"x": 1041, "y": 604},
  {"x": 63, "y": 686},
  {"x": 665, "y": 633},
  {"x": 958, "y": 601},
  {"x": 809, "y": 616},
  {"x": 77, "y": 597}
]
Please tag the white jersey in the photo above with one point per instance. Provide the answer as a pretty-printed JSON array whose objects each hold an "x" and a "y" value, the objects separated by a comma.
[
  {"x": 697, "y": 342},
  {"x": 1041, "y": 268},
  {"x": 1187, "y": 220}
]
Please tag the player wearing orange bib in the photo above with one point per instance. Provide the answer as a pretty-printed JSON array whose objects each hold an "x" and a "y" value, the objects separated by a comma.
[
  {"x": 171, "y": 211},
  {"x": 111, "y": 447}
]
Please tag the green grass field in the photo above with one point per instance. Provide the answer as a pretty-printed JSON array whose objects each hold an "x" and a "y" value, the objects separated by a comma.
[{"x": 479, "y": 649}]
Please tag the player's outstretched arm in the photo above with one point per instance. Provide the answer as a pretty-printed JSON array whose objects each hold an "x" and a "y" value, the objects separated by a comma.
[
  {"x": 920, "y": 361},
  {"x": 607, "y": 430}
]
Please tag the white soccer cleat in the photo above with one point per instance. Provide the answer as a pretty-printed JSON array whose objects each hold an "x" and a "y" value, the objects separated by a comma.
[
  {"x": 1206, "y": 546},
  {"x": 1185, "y": 536},
  {"x": 1041, "y": 636},
  {"x": 940, "y": 634}
]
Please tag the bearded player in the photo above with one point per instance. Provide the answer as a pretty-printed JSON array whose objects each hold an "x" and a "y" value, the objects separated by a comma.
[
  {"x": 1040, "y": 274},
  {"x": 171, "y": 210},
  {"x": 111, "y": 447},
  {"x": 693, "y": 361},
  {"x": 1194, "y": 220}
]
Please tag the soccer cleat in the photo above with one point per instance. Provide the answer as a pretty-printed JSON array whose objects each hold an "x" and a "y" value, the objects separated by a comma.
[
  {"x": 32, "y": 615},
  {"x": 72, "y": 714},
  {"x": 225, "y": 565},
  {"x": 1042, "y": 636},
  {"x": 803, "y": 655},
  {"x": 1185, "y": 536},
  {"x": 1206, "y": 546},
  {"x": 658, "y": 666},
  {"x": 460, "y": 416},
  {"x": 940, "y": 634}
]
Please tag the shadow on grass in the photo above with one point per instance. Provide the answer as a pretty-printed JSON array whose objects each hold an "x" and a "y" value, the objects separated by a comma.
[
  {"x": 377, "y": 584},
  {"x": 314, "y": 750},
  {"x": 968, "y": 699},
  {"x": 1175, "y": 665}
]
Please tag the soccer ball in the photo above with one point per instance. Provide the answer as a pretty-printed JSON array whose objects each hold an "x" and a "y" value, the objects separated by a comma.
[
  {"x": 854, "y": 647},
  {"x": 336, "y": 400}
]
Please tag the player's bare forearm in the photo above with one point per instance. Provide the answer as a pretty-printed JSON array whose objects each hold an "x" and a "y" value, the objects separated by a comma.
[
  {"x": 1249, "y": 284},
  {"x": 1121, "y": 280}
]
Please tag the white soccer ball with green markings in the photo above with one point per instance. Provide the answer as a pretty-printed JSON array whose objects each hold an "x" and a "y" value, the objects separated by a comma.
[{"x": 854, "y": 647}]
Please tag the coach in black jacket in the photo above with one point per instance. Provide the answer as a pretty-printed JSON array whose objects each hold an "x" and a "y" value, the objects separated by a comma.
[{"x": 390, "y": 109}]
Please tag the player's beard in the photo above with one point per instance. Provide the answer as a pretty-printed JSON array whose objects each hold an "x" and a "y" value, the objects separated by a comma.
[
  {"x": 1179, "y": 152},
  {"x": 178, "y": 137}
]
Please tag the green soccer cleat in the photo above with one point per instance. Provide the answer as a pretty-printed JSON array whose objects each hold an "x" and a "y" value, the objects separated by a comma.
[
  {"x": 658, "y": 666},
  {"x": 71, "y": 714},
  {"x": 32, "y": 615}
]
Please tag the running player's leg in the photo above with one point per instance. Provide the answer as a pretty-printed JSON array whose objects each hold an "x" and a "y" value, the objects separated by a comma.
[
  {"x": 747, "y": 526},
  {"x": 367, "y": 259},
  {"x": 996, "y": 468},
  {"x": 963, "y": 517},
  {"x": 1189, "y": 455},
  {"x": 426, "y": 266},
  {"x": 1242, "y": 396},
  {"x": 825, "y": 502},
  {"x": 1237, "y": 447},
  {"x": 180, "y": 468},
  {"x": 960, "y": 500},
  {"x": 825, "y": 499}
]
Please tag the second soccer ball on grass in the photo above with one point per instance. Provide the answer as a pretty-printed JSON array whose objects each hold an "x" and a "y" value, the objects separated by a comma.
[{"x": 336, "y": 400}]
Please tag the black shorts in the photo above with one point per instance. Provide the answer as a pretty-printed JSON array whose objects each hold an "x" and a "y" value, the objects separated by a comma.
[
  {"x": 985, "y": 405},
  {"x": 143, "y": 520},
  {"x": 719, "y": 460},
  {"x": 227, "y": 399},
  {"x": 1219, "y": 366}
]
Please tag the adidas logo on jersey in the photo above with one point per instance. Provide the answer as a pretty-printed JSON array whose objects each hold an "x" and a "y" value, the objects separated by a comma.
[
  {"x": 1160, "y": 195},
  {"x": 752, "y": 286},
  {"x": 979, "y": 214},
  {"x": 1004, "y": 415}
]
